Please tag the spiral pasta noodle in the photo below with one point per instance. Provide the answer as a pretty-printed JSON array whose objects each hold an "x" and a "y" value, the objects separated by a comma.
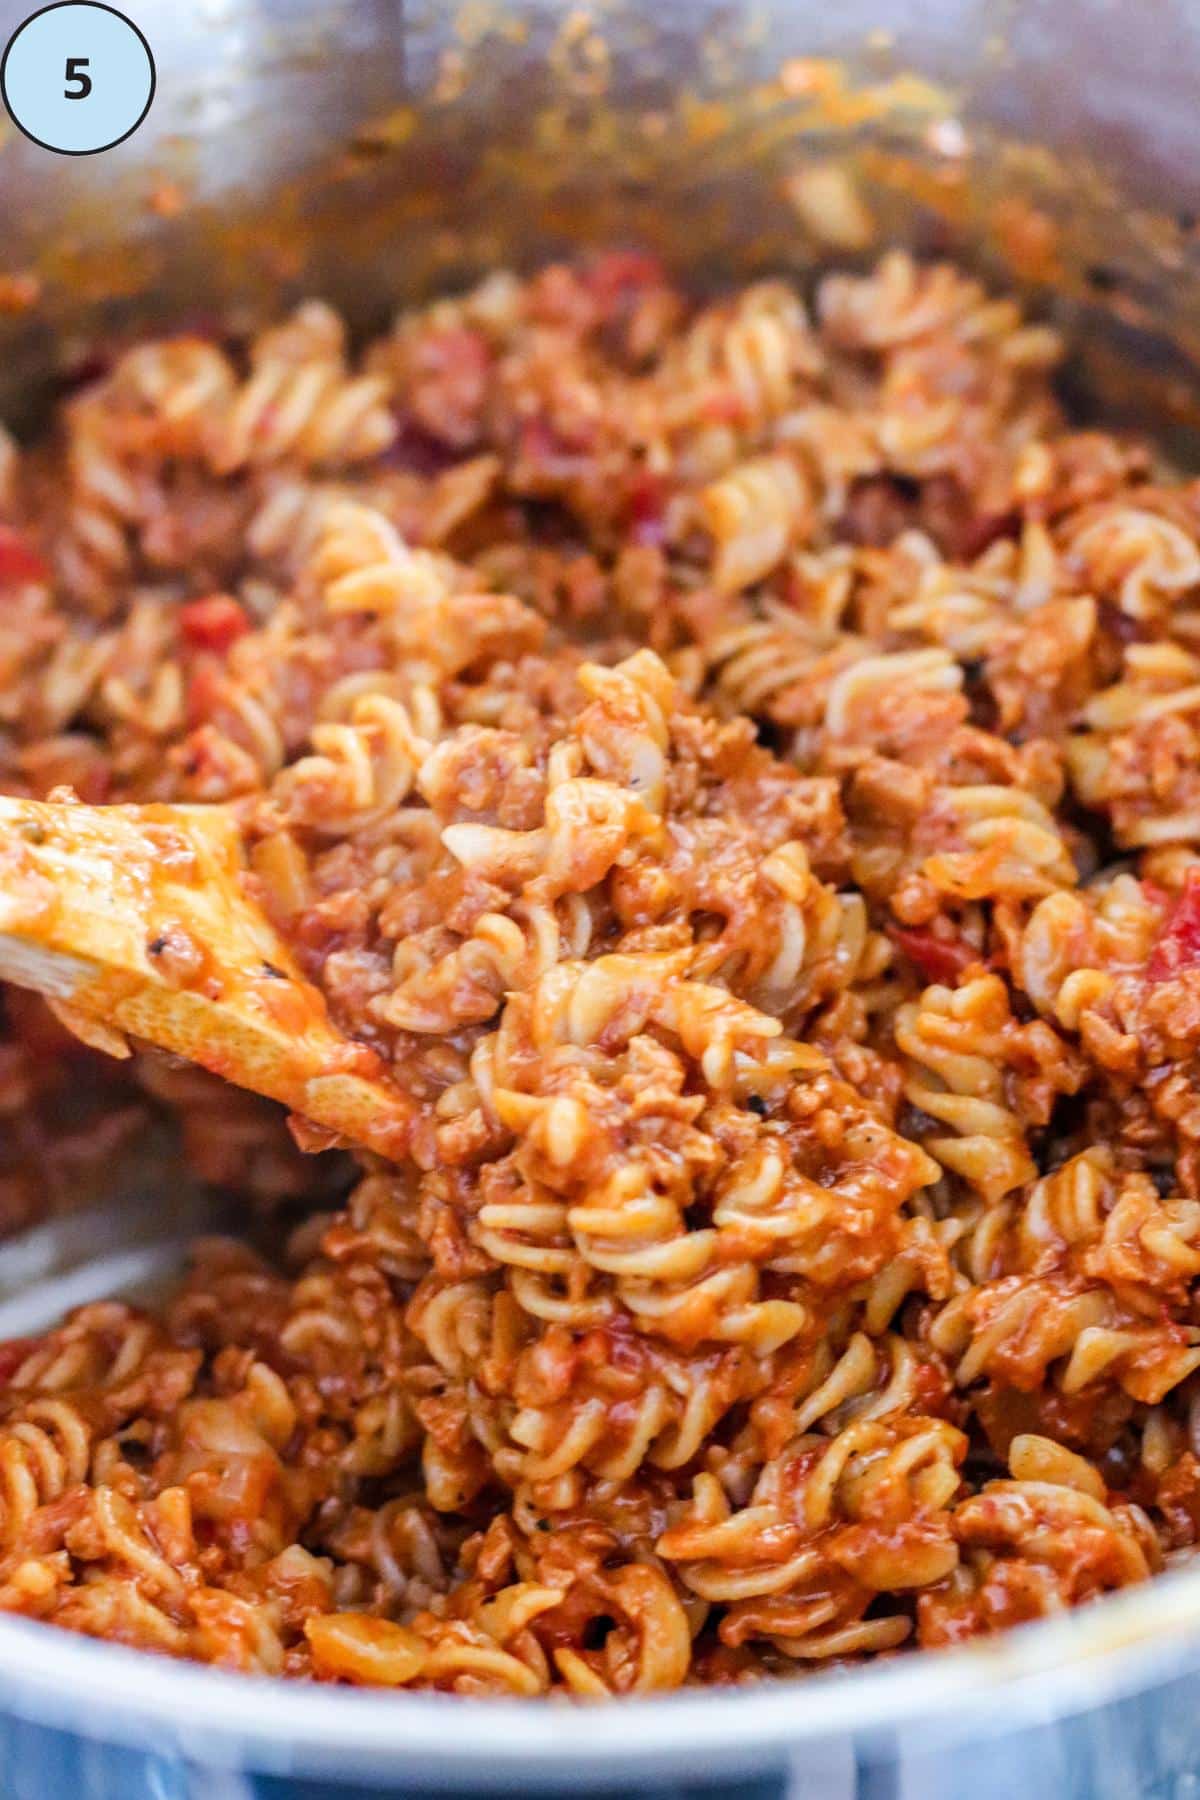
[{"x": 736, "y": 764}]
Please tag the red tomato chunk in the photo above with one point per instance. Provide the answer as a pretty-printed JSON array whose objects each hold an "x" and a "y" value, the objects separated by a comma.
[
  {"x": 1177, "y": 947},
  {"x": 213, "y": 623},
  {"x": 938, "y": 958},
  {"x": 18, "y": 561}
]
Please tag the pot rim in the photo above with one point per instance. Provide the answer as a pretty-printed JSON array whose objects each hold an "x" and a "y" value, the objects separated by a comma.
[{"x": 1114, "y": 1647}]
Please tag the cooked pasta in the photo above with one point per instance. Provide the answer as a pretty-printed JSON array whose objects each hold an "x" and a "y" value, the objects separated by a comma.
[{"x": 738, "y": 766}]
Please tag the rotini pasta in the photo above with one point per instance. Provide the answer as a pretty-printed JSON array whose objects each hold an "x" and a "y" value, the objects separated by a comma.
[{"x": 737, "y": 764}]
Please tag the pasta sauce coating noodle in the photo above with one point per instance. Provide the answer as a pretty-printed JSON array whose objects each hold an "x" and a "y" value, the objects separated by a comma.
[{"x": 737, "y": 767}]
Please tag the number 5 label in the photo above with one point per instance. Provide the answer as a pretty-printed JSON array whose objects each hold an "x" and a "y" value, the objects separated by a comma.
[
  {"x": 79, "y": 82},
  {"x": 77, "y": 77}
]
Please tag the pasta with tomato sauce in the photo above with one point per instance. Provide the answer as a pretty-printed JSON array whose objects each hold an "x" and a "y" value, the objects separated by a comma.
[{"x": 738, "y": 765}]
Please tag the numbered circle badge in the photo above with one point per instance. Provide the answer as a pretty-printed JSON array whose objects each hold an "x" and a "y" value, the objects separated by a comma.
[{"x": 77, "y": 77}]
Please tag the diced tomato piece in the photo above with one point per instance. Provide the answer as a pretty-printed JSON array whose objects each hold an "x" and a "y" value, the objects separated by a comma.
[
  {"x": 931, "y": 1388},
  {"x": 18, "y": 561},
  {"x": 938, "y": 958},
  {"x": 1176, "y": 950},
  {"x": 647, "y": 504},
  {"x": 213, "y": 623}
]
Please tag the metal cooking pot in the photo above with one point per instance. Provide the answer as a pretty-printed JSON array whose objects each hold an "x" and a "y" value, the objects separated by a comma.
[{"x": 379, "y": 150}]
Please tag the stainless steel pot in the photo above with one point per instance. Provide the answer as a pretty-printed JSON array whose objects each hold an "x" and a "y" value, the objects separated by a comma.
[{"x": 373, "y": 151}]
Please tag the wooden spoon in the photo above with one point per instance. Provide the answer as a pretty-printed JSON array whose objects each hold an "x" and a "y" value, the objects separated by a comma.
[{"x": 135, "y": 919}]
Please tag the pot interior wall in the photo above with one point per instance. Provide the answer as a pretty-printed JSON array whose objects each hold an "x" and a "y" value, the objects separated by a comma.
[{"x": 376, "y": 151}]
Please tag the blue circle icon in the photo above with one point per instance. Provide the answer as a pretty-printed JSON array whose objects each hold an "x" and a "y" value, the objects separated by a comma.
[{"x": 77, "y": 77}]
